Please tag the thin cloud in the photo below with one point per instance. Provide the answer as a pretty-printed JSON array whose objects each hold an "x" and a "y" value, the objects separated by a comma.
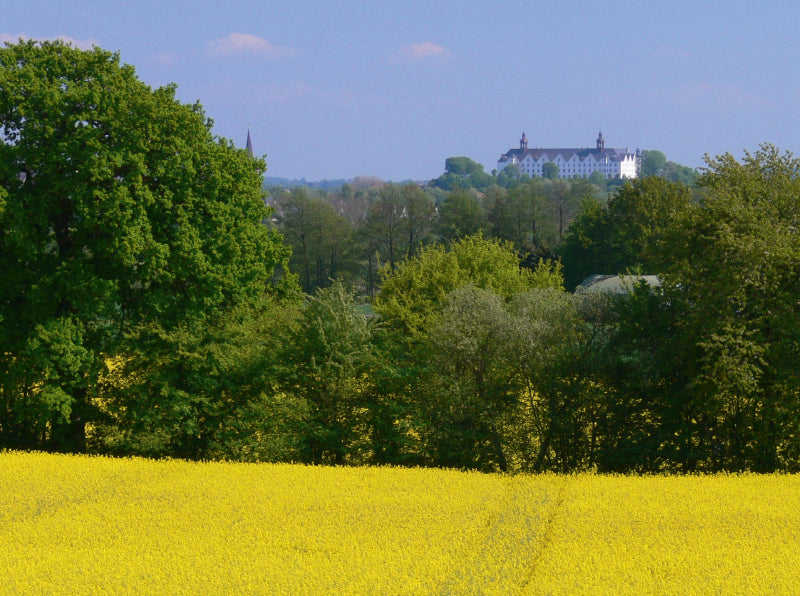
[
  {"x": 83, "y": 44},
  {"x": 417, "y": 52},
  {"x": 245, "y": 43},
  {"x": 165, "y": 59}
]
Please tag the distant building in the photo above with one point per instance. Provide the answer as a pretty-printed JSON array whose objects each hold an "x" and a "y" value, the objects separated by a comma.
[
  {"x": 249, "y": 145},
  {"x": 611, "y": 163},
  {"x": 615, "y": 284}
]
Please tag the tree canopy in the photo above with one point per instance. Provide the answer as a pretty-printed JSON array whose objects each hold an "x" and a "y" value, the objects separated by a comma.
[
  {"x": 550, "y": 170},
  {"x": 626, "y": 233},
  {"x": 734, "y": 268},
  {"x": 652, "y": 162},
  {"x": 463, "y": 172},
  {"x": 121, "y": 210},
  {"x": 418, "y": 287}
]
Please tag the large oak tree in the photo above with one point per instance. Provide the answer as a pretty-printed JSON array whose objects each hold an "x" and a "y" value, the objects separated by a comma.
[{"x": 124, "y": 218}]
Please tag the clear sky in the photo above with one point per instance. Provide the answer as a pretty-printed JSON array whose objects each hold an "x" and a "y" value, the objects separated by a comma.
[{"x": 391, "y": 89}]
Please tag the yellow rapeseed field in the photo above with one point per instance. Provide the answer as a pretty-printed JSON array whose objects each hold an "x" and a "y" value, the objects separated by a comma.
[{"x": 93, "y": 525}]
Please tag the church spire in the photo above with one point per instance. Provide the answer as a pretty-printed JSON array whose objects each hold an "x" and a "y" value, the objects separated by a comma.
[{"x": 249, "y": 145}]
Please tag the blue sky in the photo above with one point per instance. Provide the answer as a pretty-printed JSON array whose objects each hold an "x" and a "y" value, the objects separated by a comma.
[{"x": 391, "y": 89}]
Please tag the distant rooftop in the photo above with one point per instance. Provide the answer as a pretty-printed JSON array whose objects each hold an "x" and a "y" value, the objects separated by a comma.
[
  {"x": 615, "y": 284},
  {"x": 598, "y": 152}
]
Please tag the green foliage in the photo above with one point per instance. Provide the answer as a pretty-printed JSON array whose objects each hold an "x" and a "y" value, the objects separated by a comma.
[
  {"x": 510, "y": 176},
  {"x": 146, "y": 308},
  {"x": 398, "y": 221},
  {"x": 628, "y": 234},
  {"x": 204, "y": 391},
  {"x": 502, "y": 389},
  {"x": 419, "y": 216},
  {"x": 550, "y": 170},
  {"x": 460, "y": 215},
  {"x": 121, "y": 210},
  {"x": 463, "y": 172},
  {"x": 333, "y": 371},
  {"x": 565, "y": 204},
  {"x": 675, "y": 172},
  {"x": 385, "y": 225},
  {"x": 584, "y": 251},
  {"x": 472, "y": 385},
  {"x": 40, "y": 384},
  {"x": 652, "y": 163},
  {"x": 419, "y": 286},
  {"x": 322, "y": 242},
  {"x": 733, "y": 279},
  {"x": 461, "y": 166},
  {"x": 446, "y": 327},
  {"x": 522, "y": 215},
  {"x": 551, "y": 425},
  {"x": 600, "y": 181},
  {"x": 704, "y": 374}
]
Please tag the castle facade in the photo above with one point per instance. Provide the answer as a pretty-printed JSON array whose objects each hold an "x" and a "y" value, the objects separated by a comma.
[{"x": 611, "y": 163}]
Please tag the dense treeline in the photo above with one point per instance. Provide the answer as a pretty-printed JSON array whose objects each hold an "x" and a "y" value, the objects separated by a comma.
[
  {"x": 350, "y": 234},
  {"x": 471, "y": 366},
  {"x": 149, "y": 304}
]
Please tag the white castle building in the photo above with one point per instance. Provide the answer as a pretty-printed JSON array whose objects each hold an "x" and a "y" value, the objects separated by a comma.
[{"x": 611, "y": 163}]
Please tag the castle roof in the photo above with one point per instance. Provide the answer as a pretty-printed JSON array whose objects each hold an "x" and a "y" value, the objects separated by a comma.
[
  {"x": 613, "y": 154},
  {"x": 598, "y": 153}
]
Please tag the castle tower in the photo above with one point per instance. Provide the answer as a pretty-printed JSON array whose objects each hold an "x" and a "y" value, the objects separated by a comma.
[
  {"x": 601, "y": 144},
  {"x": 523, "y": 142}
]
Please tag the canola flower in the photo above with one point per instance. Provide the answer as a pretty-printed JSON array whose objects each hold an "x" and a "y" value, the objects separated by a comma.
[{"x": 92, "y": 525}]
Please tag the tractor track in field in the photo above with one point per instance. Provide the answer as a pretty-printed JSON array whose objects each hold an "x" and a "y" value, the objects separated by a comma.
[
  {"x": 537, "y": 536},
  {"x": 547, "y": 535}
]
